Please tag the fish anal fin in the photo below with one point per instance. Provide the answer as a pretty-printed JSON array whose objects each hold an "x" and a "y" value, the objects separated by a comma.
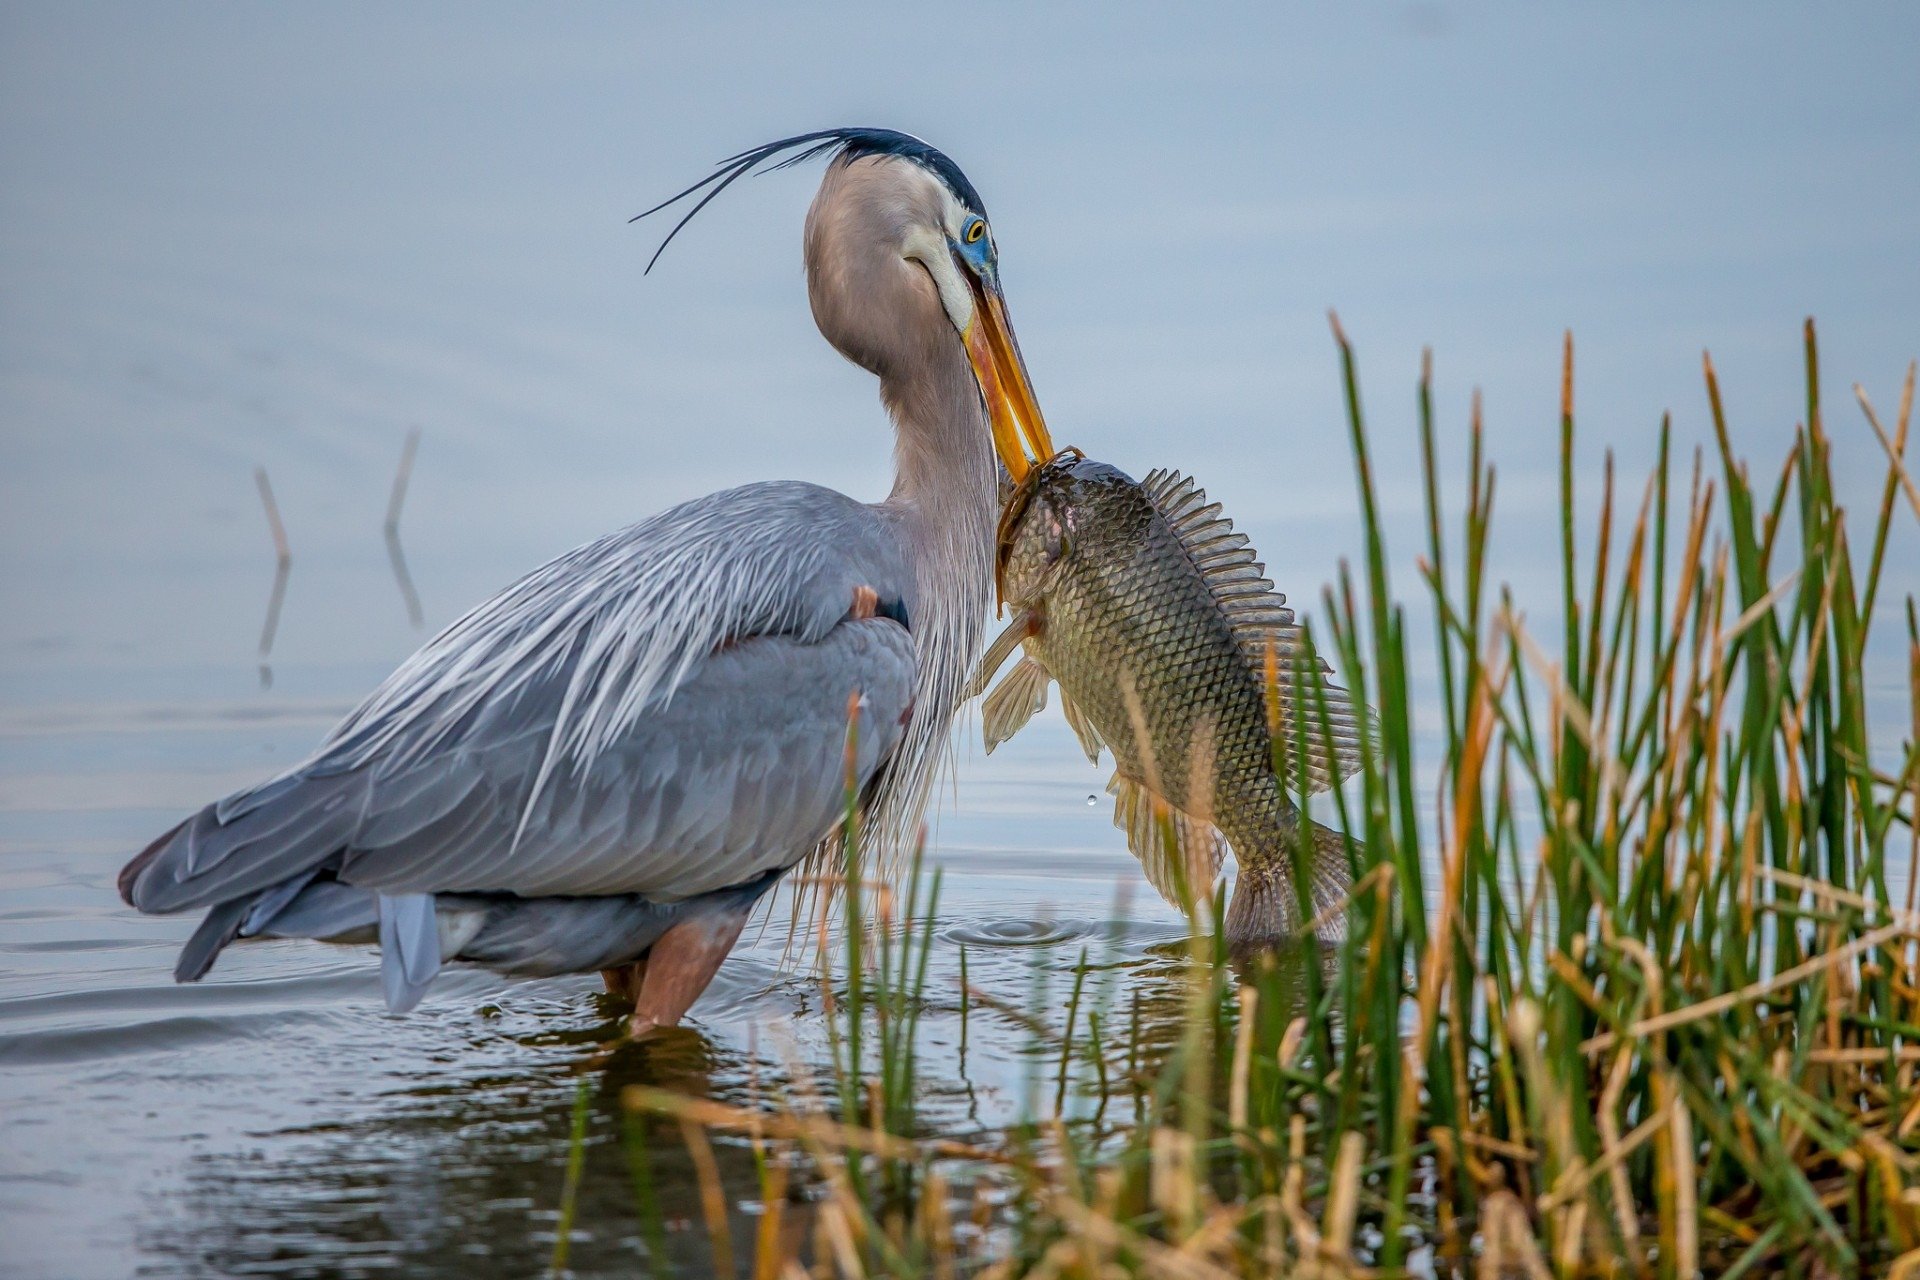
[
  {"x": 1013, "y": 702},
  {"x": 1180, "y": 854}
]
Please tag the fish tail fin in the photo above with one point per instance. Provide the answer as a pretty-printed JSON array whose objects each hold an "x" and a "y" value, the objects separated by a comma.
[
  {"x": 1263, "y": 911},
  {"x": 1265, "y": 907}
]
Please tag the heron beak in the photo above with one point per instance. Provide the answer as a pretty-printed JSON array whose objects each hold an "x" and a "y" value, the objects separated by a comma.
[{"x": 1019, "y": 432}]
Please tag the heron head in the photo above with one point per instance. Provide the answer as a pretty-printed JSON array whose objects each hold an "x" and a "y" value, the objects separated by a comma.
[{"x": 901, "y": 262}]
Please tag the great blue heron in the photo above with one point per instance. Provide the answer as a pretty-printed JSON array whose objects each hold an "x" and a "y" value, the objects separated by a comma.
[{"x": 606, "y": 765}]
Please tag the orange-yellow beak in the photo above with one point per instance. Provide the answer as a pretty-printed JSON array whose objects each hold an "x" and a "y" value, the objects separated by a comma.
[{"x": 1019, "y": 432}]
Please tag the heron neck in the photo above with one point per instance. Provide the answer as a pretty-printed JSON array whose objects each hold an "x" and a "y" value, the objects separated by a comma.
[
  {"x": 946, "y": 478},
  {"x": 945, "y": 499}
]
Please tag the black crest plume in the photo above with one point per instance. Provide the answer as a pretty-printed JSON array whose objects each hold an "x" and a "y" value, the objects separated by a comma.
[{"x": 807, "y": 146}]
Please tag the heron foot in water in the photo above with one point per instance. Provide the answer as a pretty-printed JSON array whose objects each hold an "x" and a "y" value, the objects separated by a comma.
[{"x": 676, "y": 969}]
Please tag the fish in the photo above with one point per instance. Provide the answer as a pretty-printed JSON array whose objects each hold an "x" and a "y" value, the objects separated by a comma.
[{"x": 1159, "y": 625}]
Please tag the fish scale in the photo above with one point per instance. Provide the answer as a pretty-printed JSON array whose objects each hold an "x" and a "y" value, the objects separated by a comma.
[{"x": 1149, "y": 612}]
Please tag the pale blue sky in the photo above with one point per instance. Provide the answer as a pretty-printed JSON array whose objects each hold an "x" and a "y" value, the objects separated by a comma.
[{"x": 237, "y": 234}]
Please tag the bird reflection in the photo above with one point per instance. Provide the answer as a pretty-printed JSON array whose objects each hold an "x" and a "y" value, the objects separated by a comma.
[
  {"x": 460, "y": 1172},
  {"x": 283, "y": 568},
  {"x": 396, "y": 557},
  {"x": 462, "y": 1178}
]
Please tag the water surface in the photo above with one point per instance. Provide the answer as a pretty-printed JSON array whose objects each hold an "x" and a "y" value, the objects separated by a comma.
[{"x": 239, "y": 237}]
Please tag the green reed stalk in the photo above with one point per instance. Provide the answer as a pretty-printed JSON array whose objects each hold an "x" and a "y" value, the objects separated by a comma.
[
  {"x": 570, "y": 1190},
  {"x": 1662, "y": 1015}
]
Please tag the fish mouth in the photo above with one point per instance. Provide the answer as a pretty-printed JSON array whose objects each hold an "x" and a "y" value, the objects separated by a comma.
[{"x": 1018, "y": 504}]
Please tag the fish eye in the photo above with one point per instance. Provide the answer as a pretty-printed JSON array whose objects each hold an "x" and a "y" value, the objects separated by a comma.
[{"x": 976, "y": 229}]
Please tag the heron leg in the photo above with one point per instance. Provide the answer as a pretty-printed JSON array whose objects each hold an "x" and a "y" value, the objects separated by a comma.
[
  {"x": 624, "y": 980},
  {"x": 679, "y": 966},
  {"x": 866, "y": 603}
]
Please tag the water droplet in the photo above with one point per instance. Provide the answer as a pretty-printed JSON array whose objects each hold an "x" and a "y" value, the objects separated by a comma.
[{"x": 1092, "y": 800}]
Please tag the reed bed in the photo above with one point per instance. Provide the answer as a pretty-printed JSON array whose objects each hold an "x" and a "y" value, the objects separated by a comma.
[{"x": 1626, "y": 986}]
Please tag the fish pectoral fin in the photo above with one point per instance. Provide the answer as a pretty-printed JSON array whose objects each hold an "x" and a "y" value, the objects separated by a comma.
[
  {"x": 1181, "y": 854},
  {"x": 1090, "y": 739},
  {"x": 996, "y": 656},
  {"x": 1013, "y": 702}
]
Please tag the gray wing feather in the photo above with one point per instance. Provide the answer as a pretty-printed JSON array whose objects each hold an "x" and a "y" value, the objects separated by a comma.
[
  {"x": 626, "y": 619},
  {"x": 749, "y": 790},
  {"x": 327, "y": 909},
  {"x": 739, "y": 774},
  {"x": 208, "y": 861},
  {"x": 660, "y": 712},
  {"x": 659, "y": 716},
  {"x": 262, "y": 909},
  {"x": 216, "y": 929}
]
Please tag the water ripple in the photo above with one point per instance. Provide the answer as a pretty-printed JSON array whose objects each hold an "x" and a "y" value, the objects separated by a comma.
[{"x": 1016, "y": 932}]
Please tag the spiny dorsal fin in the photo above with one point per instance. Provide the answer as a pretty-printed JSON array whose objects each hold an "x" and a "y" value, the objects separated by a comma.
[
  {"x": 1174, "y": 848},
  {"x": 1261, "y": 621},
  {"x": 1013, "y": 702},
  {"x": 1225, "y": 559}
]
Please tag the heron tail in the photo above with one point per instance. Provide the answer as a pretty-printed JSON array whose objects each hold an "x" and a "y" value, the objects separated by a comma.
[
  {"x": 246, "y": 844},
  {"x": 407, "y": 925},
  {"x": 244, "y": 860}
]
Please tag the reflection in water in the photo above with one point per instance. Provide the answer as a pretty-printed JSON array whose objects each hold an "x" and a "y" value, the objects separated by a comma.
[
  {"x": 461, "y": 1171},
  {"x": 283, "y": 555},
  {"x": 461, "y": 1175},
  {"x": 283, "y": 567},
  {"x": 396, "y": 557},
  {"x": 276, "y": 1119},
  {"x": 1161, "y": 984}
]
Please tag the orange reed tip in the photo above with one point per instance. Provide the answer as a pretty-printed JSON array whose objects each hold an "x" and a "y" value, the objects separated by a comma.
[{"x": 1566, "y": 375}]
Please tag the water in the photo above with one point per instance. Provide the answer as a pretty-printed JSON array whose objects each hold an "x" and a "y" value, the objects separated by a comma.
[
  {"x": 233, "y": 238},
  {"x": 275, "y": 1113}
]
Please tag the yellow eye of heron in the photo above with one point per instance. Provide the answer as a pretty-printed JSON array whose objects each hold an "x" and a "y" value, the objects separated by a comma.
[{"x": 975, "y": 231}]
